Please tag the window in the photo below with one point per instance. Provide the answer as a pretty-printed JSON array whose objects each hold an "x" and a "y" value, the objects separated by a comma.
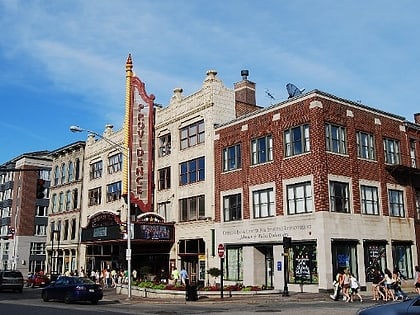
[
  {"x": 263, "y": 203},
  {"x": 392, "y": 151},
  {"x": 37, "y": 248},
  {"x": 365, "y": 145},
  {"x": 163, "y": 210},
  {"x": 56, "y": 175},
  {"x": 232, "y": 158},
  {"x": 418, "y": 204},
  {"x": 73, "y": 229},
  {"x": 192, "y": 208},
  {"x": 396, "y": 203},
  {"x": 335, "y": 139},
  {"x": 54, "y": 203},
  {"x": 63, "y": 173},
  {"x": 232, "y": 207},
  {"x": 164, "y": 145},
  {"x": 164, "y": 178},
  {"x": 66, "y": 229},
  {"x": 77, "y": 169},
  {"x": 71, "y": 172},
  {"x": 68, "y": 200},
  {"x": 192, "y": 171},
  {"x": 61, "y": 202},
  {"x": 115, "y": 163},
  {"x": 296, "y": 140},
  {"x": 413, "y": 153},
  {"x": 113, "y": 191},
  {"x": 40, "y": 230},
  {"x": 303, "y": 264},
  {"x": 299, "y": 198},
  {"x": 192, "y": 135},
  {"x": 369, "y": 199},
  {"x": 262, "y": 150},
  {"x": 375, "y": 258},
  {"x": 402, "y": 258},
  {"x": 41, "y": 211},
  {"x": 95, "y": 196},
  {"x": 95, "y": 170},
  {"x": 234, "y": 263},
  {"x": 75, "y": 198},
  {"x": 339, "y": 197}
]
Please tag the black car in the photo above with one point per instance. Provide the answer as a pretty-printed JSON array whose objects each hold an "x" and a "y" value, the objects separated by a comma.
[
  {"x": 11, "y": 280},
  {"x": 409, "y": 306},
  {"x": 69, "y": 289}
]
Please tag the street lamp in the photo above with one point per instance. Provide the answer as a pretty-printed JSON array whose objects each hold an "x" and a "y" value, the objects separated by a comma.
[{"x": 126, "y": 152}]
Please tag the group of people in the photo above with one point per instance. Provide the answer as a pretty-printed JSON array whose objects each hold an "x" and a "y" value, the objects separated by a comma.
[
  {"x": 386, "y": 285},
  {"x": 183, "y": 275}
]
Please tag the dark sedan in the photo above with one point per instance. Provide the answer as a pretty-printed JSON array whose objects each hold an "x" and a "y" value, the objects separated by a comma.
[
  {"x": 69, "y": 289},
  {"x": 410, "y": 306}
]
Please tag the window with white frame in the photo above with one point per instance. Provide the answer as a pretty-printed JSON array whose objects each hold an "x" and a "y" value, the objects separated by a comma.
[
  {"x": 71, "y": 172},
  {"x": 56, "y": 175},
  {"x": 73, "y": 229},
  {"x": 115, "y": 163},
  {"x": 192, "y": 208},
  {"x": 37, "y": 248},
  {"x": 335, "y": 138},
  {"x": 232, "y": 207},
  {"x": 231, "y": 158},
  {"x": 75, "y": 198},
  {"x": 339, "y": 197},
  {"x": 262, "y": 150},
  {"x": 94, "y": 196},
  {"x": 164, "y": 178},
  {"x": 41, "y": 211},
  {"x": 234, "y": 264},
  {"x": 163, "y": 209},
  {"x": 192, "y": 171},
  {"x": 40, "y": 230},
  {"x": 61, "y": 202},
  {"x": 413, "y": 153},
  {"x": 113, "y": 191},
  {"x": 192, "y": 135},
  {"x": 95, "y": 170},
  {"x": 392, "y": 151},
  {"x": 296, "y": 140},
  {"x": 299, "y": 198},
  {"x": 68, "y": 200},
  {"x": 396, "y": 203},
  {"x": 369, "y": 199},
  {"x": 263, "y": 203},
  {"x": 365, "y": 145},
  {"x": 54, "y": 203},
  {"x": 164, "y": 145},
  {"x": 63, "y": 173}
]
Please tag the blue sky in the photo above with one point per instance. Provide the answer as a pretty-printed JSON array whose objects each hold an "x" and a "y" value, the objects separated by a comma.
[{"x": 63, "y": 62}]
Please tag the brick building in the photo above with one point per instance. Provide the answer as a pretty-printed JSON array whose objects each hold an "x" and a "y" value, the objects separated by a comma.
[{"x": 323, "y": 171}]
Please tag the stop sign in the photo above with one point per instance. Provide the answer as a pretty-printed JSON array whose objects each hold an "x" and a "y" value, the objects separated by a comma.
[{"x": 221, "y": 250}]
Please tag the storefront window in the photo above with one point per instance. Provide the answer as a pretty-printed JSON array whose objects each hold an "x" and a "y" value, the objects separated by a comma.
[
  {"x": 234, "y": 264},
  {"x": 375, "y": 258},
  {"x": 344, "y": 256},
  {"x": 401, "y": 255},
  {"x": 303, "y": 263}
]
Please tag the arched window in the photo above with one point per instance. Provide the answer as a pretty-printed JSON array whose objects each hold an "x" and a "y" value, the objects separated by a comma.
[
  {"x": 77, "y": 169},
  {"x": 60, "y": 202},
  {"x": 71, "y": 172},
  {"x": 56, "y": 175},
  {"x": 68, "y": 200},
  {"x": 63, "y": 173},
  {"x": 75, "y": 198}
]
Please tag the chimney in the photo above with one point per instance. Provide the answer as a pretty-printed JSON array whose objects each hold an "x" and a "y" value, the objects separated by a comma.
[
  {"x": 417, "y": 118},
  {"x": 245, "y": 90}
]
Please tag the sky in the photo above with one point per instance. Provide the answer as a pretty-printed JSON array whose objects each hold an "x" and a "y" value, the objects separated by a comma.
[{"x": 62, "y": 63}]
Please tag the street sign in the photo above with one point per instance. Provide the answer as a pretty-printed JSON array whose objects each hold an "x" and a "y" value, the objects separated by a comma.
[{"x": 221, "y": 250}]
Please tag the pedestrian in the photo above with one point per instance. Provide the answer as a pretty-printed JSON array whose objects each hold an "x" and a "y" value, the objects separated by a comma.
[
  {"x": 398, "y": 291},
  {"x": 376, "y": 287},
  {"x": 337, "y": 286},
  {"x": 388, "y": 282},
  {"x": 175, "y": 275},
  {"x": 134, "y": 274},
  {"x": 346, "y": 285},
  {"x": 354, "y": 288},
  {"x": 184, "y": 276},
  {"x": 417, "y": 279},
  {"x": 82, "y": 273}
]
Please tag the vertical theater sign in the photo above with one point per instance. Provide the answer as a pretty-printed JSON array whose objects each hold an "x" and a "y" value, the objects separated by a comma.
[{"x": 151, "y": 237}]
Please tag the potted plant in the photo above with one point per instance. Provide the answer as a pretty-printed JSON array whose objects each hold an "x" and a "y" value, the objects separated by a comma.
[{"x": 214, "y": 272}]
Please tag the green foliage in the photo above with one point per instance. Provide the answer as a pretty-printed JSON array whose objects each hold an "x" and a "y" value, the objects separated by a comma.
[{"x": 214, "y": 272}]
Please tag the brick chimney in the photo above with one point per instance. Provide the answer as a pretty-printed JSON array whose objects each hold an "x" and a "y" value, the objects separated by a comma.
[
  {"x": 245, "y": 90},
  {"x": 417, "y": 118}
]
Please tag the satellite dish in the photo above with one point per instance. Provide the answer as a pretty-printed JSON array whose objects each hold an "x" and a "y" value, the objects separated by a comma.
[{"x": 293, "y": 90}]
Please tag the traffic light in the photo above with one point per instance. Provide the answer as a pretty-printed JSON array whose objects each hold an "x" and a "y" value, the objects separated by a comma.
[
  {"x": 287, "y": 242},
  {"x": 40, "y": 188}
]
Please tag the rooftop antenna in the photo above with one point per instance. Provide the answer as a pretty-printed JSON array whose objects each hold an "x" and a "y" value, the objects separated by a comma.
[
  {"x": 268, "y": 93},
  {"x": 293, "y": 90}
]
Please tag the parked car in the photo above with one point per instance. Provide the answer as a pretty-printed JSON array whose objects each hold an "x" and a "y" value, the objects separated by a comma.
[
  {"x": 409, "y": 306},
  {"x": 37, "y": 280},
  {"x": 69, "y": 289},
  {"x": 11, "y": 280}
]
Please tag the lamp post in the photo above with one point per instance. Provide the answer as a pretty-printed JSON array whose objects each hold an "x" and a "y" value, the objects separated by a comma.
[{"x": 126, "y": 152}]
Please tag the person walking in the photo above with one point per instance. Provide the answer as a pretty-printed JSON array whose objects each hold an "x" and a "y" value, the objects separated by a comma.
[
  {"x": 398, "y": 291},
  {"x": 389, "y": 285},
  {"x": 376, "y": 287},
  {"x": 184, "y": 276},
  {"x": 354, "y": 288},
  {"x": 417, "y": 280},
  {"x": 346, "y": 285},
  {"x": 175, "y": 275},
  {"x": 337, "y": 286}
]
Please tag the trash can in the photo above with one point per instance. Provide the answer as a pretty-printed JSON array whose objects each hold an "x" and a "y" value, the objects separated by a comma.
[{"x": 191, "y": 293}]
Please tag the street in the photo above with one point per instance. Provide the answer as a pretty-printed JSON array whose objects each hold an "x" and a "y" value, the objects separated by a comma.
[{"x": 30, "y": 302}]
